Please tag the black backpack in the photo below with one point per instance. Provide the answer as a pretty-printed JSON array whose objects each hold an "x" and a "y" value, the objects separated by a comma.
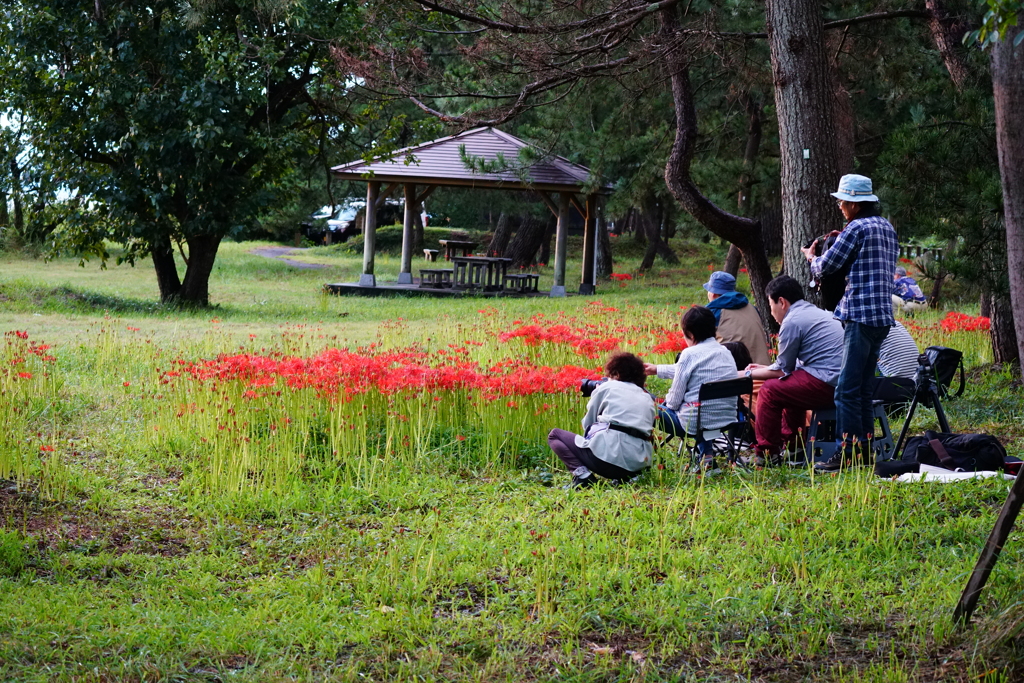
[{"x": 967, "y": 452}]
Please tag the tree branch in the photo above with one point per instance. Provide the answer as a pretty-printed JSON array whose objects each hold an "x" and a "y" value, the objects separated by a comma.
[{"x": 596, "y": 20}]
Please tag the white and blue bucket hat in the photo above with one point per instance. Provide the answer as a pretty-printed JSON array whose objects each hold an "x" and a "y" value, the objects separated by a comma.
[{"x": 855, "y": 188}]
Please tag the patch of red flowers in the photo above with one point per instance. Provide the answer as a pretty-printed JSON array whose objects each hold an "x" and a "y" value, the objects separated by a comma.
[
  {"x": 959, "y": 322},
  {"x": 672, "y": 342},
  {"x": 584, "y": 342},
  {"x": 621, "y": 277},
  {"x": 343, "y": 373}
]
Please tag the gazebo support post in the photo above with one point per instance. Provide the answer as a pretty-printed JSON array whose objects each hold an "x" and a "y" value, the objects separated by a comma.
[
  {"x": 587, "y": 281},
  {"x": 405, "y": 272},
  {"x": 561, "y": 237},
  {"x": 368, "y": 279}
]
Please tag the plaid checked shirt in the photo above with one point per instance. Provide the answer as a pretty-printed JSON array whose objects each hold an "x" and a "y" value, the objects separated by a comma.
[{"x": 872, "y": 243}]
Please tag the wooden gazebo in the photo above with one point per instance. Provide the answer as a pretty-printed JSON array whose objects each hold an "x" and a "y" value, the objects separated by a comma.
[{"x": 421, "y": 169}]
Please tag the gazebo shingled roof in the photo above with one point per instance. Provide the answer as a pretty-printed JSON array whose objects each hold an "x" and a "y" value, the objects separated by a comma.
[{"x": 440, "y": 162}]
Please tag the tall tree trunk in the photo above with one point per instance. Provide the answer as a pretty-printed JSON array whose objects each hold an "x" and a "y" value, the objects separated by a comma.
[
  {"x": 417, "y": 230},
  {"x": 745, "y": 233},
  {"x": 805, "y": 108},
  {"x": 162, "y": 252},
  {"x": 4, "y": 216},
  {"x": 947, "y": 37},
  {"x": 545, "y": 246},
  {"x": 502, "y": 234},
  {"x": 770, "y": 218},
  {"x": 651, "y": 222},
  {"x": 526, "y": 242},
  {"x": 1004, "y": 337},
  {"x": 940, "y": 279},
  {"x": 202, "y": 252},
  {"x": 1008, "y": 93},
  {"x": 753, "y": 108},
  {"x": 605, "y": 264},
  {"x": 733, "y": 260},
  {"x": 636, "y": 225},
  {"x": 843, "y": 117}
]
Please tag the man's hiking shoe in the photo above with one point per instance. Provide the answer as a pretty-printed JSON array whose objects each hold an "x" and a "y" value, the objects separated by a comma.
[
  {"x": 839, "y": 461},
  {"x": 581, "y": 482}
]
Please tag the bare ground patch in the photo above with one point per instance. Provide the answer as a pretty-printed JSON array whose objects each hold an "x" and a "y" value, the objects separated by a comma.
[{"x": 145, "y": 530}]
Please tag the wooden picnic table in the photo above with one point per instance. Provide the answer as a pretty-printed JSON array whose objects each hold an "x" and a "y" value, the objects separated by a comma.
[
  {"x": 452, "y": 246},
  {"x": 479, "y": 272}
]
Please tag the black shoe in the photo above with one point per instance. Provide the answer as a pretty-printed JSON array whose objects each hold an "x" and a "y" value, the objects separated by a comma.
[
  {"x": 839, "y": 461},
  {"x": 705, "y": 465},
  {"x": 581, "y": 482}
]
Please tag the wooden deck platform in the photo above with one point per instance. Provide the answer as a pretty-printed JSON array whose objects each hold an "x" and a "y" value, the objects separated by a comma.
[{"x": 395, "y": 289}]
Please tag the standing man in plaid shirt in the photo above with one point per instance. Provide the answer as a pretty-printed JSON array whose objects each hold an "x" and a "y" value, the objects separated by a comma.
[{"x": 868, "y": 243}]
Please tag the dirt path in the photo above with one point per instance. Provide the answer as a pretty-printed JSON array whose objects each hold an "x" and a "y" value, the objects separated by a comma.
[{"x": 279, "y": 252}]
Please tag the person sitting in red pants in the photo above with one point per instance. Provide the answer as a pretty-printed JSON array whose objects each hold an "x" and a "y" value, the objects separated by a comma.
[{"x": 804, "y": 375}]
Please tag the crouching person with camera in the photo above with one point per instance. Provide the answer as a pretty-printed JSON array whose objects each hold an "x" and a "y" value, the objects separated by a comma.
[{"x": 616, "y": 440}]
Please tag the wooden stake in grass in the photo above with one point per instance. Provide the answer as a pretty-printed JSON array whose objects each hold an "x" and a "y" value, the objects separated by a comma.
[{"x": 989, "y": 555}]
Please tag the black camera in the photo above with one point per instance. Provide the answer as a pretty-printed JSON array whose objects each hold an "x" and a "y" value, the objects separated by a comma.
[
  {"x": 587, "y": 386},
  {"x": 831, "y": 287}
]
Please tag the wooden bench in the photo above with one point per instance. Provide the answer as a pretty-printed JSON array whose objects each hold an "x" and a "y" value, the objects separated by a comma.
[
  {"x": 430, "y": 254},
  {"x": 435, "y": 278},
  {"x": 522, "y": 282}
]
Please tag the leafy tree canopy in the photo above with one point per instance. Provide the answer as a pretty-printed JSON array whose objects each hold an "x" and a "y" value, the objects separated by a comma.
[{"x": 172, "y": 123}]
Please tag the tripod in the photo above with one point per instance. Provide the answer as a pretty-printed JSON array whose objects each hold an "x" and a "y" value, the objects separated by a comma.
[{"x": 926, "y": 391}]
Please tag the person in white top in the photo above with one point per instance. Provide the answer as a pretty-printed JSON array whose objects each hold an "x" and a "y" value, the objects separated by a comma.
[
  {"x": 616, "y": 441},
  {"x": 704, "y": 360}
]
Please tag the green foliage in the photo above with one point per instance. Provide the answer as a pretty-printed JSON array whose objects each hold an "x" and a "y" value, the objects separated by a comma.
[
  {"x": 170, "y": 126},
  {"x": 13, "y": 553},
  {"x": 1001, "y": 17}
]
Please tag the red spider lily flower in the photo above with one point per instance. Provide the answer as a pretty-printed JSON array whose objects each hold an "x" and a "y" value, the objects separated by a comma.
[
  {"x": 673, "y": 342},
  {"x": 46, "y": 449},
  {"x": 959, "y": 322},
  {"x": 620, "y": 276},
  {"x": 906, "y": 261},
  {"x": 460, "y": 437},
  {"x": 25, "y": 375},
  {"x": 127, "y": 384}
]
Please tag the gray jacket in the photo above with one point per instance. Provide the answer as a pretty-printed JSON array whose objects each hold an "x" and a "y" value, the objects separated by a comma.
[{"x": 621, "y": 403}]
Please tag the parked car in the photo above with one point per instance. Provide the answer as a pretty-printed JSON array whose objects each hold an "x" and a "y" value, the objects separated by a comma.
[{"x": 327, "y": 227}]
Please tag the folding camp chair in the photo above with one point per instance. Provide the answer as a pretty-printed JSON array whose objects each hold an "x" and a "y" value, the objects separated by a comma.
[{"x": 728, "y": 438}]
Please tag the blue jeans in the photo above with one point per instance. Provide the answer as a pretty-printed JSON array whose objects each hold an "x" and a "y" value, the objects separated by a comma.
[
  {"x": 668, "y": 422},
  {"x": 854, "y": 416}
]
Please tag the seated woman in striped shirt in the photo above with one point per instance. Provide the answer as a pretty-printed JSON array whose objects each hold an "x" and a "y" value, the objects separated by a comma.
[{"x": 704, "y": 360}]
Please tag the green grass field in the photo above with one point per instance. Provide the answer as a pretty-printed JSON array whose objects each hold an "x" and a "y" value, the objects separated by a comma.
[{"x": 155, "y": 527}]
